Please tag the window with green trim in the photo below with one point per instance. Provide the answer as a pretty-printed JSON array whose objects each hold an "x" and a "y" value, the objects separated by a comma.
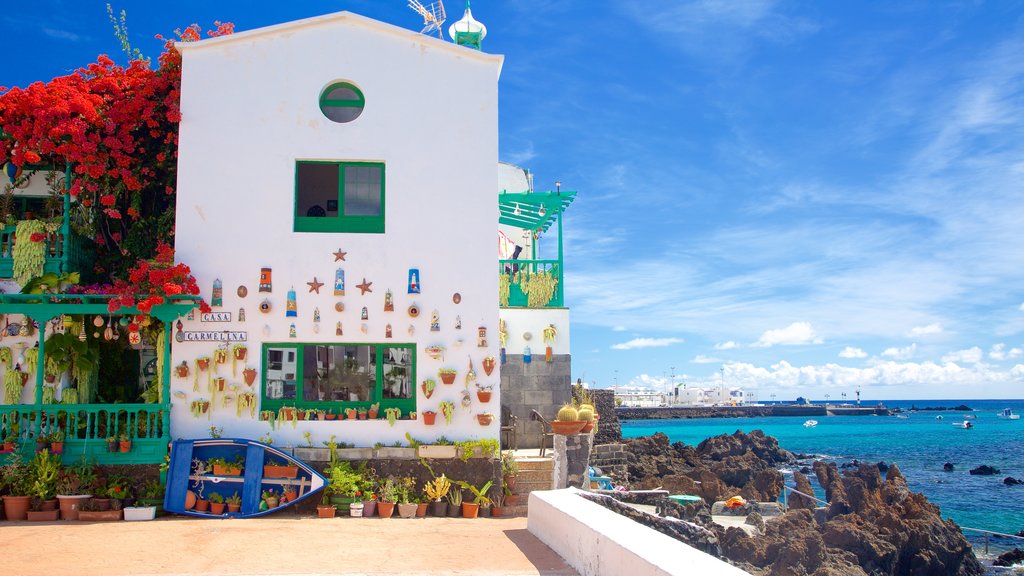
[
  {"x": 339, "y": 196},
  {"x": 342, "y": 102},
  {"x": 339, "y": 375}
]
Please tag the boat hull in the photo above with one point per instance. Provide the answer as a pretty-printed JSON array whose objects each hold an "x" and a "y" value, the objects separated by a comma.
[{"x": 184, "y": 484}]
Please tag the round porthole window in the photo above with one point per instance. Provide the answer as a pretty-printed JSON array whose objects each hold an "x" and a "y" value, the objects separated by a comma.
[{"x": 342, "y": 102}]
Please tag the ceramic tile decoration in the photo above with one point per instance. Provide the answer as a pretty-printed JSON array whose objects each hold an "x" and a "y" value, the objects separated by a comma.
[
  {"x": 414, "y": 281},
  {"x": 387, "y": 331},
  {"x": 435, "y": 322},
  {"x": 389, "y": 305},
  {"x": 337, "y": 329},
  {"x": 291, "y": 309},
  {"x": 339, "y": 282},
  {"x": 291, "y": 331},
  {"x": 265, "y": 306},
  {"x": 265, "y": 280},
  {"x": 365, "y": 315},
  {"x": 481, "y": 337},
  {"x": 217, "y": 299},
  {"x": 241, "y": 314},
  {"x": 242, "y": 291}
]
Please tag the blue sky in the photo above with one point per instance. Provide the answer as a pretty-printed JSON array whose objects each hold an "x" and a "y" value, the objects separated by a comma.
[{"x": 802, "y": 198}]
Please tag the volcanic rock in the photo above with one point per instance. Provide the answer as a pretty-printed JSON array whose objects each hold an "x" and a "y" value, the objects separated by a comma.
[
  {"x": 1010, "y": 558},
  {"x": 799, "y": 501},
  {"x": 948, "y": 466},
  {"x": 984, "y": 470},
  {"x": 1011, "y": 481}
]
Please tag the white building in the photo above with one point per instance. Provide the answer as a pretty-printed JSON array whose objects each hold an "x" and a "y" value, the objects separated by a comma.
[{"x": 354, "y": 163}]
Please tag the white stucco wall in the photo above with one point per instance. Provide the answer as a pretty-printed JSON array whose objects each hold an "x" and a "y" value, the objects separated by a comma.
[
  {"x": 526, "y": 328},
  {"x": 249, "y": 111}
]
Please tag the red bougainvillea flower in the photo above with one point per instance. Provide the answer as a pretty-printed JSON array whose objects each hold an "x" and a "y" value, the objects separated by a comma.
[
  {"x": 108, "y": 200},
  {"x": 37, "y": 237}
]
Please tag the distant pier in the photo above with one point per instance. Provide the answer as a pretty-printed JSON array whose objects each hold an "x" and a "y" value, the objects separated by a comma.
[{"x": 670, "y": 412}]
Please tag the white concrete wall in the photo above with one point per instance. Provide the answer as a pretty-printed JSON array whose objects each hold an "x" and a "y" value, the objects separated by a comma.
[
  {"x": 596, "y": 541},
  {"x": 526, "y": 328},
  {"x": 249, "y": 111}
]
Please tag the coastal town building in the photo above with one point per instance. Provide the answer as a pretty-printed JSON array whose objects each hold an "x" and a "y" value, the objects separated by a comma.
[{"x": 642, "y": 396}]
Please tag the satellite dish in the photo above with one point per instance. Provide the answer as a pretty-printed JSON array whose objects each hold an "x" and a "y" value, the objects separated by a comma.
[{"x": 433, "y": 16}]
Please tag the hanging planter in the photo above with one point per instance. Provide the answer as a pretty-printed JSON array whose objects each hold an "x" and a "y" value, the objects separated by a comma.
[
  {"x": 448, "y": 410},
  {"x": 488, "y": 364},
  {"x": 238, "y": 353},
  {"x": 447, "y": 375},
  {"x": 428, "y": 417},
  {"x": 220, "y": 356},
  {"x": 392, "y": 414},
  {"x": 249, "y": 376},
  {"x": 181, "y": 369},
  {"x": 200, "y": 407},
  {"x": 483, "y": 394},
  {"x": 428, "y": 386},
  {"x": 485, "y": 419}
]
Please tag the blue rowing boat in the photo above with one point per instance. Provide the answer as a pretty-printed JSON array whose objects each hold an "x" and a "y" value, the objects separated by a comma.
[{"x": 260, "y": 468}]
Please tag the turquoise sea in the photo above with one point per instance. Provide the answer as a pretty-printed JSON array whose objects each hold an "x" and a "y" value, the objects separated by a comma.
[{"x": 919, "y": 444}]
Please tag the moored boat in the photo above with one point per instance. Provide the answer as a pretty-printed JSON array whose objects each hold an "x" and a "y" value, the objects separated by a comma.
[
  {"x": 965, "y": 424},
  {"x": 1009, "y": 415},
  {"x": 810, "y": 424},
  {"x": 246, "y": 469}
]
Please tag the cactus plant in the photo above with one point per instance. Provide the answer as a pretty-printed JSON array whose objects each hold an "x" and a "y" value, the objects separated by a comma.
[
  {"x": 585, "y": 413},
  {"x": 567, "y": 414}
]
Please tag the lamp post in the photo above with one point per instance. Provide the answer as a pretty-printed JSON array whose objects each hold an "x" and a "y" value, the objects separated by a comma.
[
  {"x": 826, "y": 400},
  {"x": 773, "y": 397}
]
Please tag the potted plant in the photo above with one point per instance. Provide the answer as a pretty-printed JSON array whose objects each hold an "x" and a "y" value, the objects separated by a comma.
[
  {"x": 350, "y": 413},
  {"x": 73, "y": 488},
  {"x": 422, "y": 506},
  {"x": 90, "y": 512},
  {"x": 497, "y": 502},
  {"x": 483, "y": 392},
  {"x": 118, "y": 491},
  {"x": 374, "y": 410},
  {"x": 152, "y": 495},
  {"x": 343, "y": 484},
  {"x": 222, "y": 467},
  {"x": 362, "y": 413},
  {"x": 404, "y": 496},
  {"x": 234, "y": 502},
  {"x": 454, "y": 498},
  {"x": 125, "y": 442},
  {"x": 217, "y": 505},
  {"x": 447, "y": 375},
  {"x": 288, "y": 494},
  {"x": 249, "y": 376},
  {"x": 16, "y": 480},
  {"x": 274, "y": 468},
  {"x": 355, "y": 509},
  {"x": 45, "y": 472},
  {"x": 485, "y": 418},
  {"x": 509, "y": 470},
  {"x": 10, "y": 441},
  {"x": 387, "y": 492},
  {"x": 448, "y": 410},
  {"x": 56, "y": 439},
  {"x": 435, "y": 491},
  {"x": 567, "y": 421},
  {"x": 392, "y": 414},
  {"x": 428, "y": 417},
  {"x": 325, "y": 509},
  {"x": 270, "y": 498},
  {"x": 471, "y": 509},
  {"x": 428, "y": 386}
]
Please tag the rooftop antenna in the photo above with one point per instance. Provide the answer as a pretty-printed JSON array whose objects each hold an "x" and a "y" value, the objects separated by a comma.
[{"x": 433, "y": 16}]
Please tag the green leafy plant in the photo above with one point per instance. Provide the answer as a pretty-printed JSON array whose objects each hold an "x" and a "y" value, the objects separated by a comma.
[
  {"x": 479, "y": 494},
  {"x": 392, "y": 414},
  {"x": 45, "y": 470},
  {"x": 509, "y": 466},
  {"x": 216, "y": 498},
  {"x": 448, "y": 410},
  {"x": 437, "y": 488},
  {"x": 234, "y": 500},
  {"x": 343, "y": 479}
]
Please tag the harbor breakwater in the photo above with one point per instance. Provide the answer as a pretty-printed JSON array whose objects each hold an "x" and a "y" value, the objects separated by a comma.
[{"x": 675, "y": 412}]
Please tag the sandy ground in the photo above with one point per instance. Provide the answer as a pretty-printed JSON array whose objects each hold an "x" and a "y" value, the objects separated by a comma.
[{"x": 279, "y": 545}]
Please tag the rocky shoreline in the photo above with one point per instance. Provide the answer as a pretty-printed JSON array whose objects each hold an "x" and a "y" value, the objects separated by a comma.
[{"x": 870, "y": 525}]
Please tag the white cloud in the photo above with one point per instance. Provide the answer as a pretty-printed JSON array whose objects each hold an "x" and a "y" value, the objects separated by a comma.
[
  {"x": 726, "y": 345},
  {"x": 934, "y": 328},
  {"x": 795, "y": 334},
  {"x": 702, "y": 359},
  {"x": 851, "y": 352},
  {"x": 969, "y": 356},
  {"x": 904, "y": 353},
  {"x": 1021, "y": 307},
  {"x": 999, "y": 352},
  {"x": 888, "y": 373},
  {"x": 521, "y": 156},
  {"x": 647, "y": 343},
  {"x": 618, "y": 328},
  {"x": 61, "y": 34}
]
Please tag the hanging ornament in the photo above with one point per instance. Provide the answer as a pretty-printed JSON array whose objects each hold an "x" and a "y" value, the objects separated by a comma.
[
  {"x": 134, "y": 338},
  {"x": 81, "y": 333},
  {"x": 339, "y": 282},
  {"x": 265, "y": 306},
  {"x": 502, "y": 338},
  {"x": 337, "y": 330},
  {"x": 456, "y": 297},
  {"x": 316, "y": 328},
  {"x": 458, "y": 322},
  {"x": 291, "y": 331},
  {"x": 414, "y": 311},
  {"x": 179, "y": 336},
  {"x": 218, "y": 293},
  {"x": 242, "y": 291},
  {"x": 315, "y": 285},
  {"x": 365, "y": 314},
  {"x": 108, "y": 334},
  {"x": 501, "y": 356},
  {"x": 488, "y": 364},
  {"x": 389, "y": 305},
  {"x": 364, "y": 287},
  {"x": 435, "y": 322},
  {"x": 414, "y": 281},
  {"x": 549, "y": 338},
  {"x": 411, "y": 330},
  {"x": 191, "y": 315},
  {"x": 339, "y": 255},
  {"x": 241, "y": 314},
  {"x": 387, "y": 331},
  {"x": 266, "y": 330},
  {"x": 265, "y": 280},
  {"x": 481, "y": 337},
  {"x": 467, "y": 400},
  {"x": 364, "y": 328},
  {"x": 123, "y": 321},
  {"x": 316, "y": 314},
  {"x": 291, "y": 309},
  {"x": 97, "y": 321},
  {"x": 527, "y": 355},
  {"x": 470, "y": 374},
  {"x": 339, "y": 306}
]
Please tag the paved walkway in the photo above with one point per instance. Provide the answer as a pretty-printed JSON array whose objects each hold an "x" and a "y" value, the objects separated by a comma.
[{"x": 277, "y": 546}]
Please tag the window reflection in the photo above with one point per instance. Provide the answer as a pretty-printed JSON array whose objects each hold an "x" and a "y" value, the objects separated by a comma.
[
  {"x": 339, "y": 373},
  {"x": 281, "y": 368},
  {"x": 398, "y": 373}
]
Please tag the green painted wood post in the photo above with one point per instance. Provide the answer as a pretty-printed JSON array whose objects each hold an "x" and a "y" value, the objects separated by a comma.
[
  {"x": 65, "y": 225},
  {"x": 561, "y": 265}
]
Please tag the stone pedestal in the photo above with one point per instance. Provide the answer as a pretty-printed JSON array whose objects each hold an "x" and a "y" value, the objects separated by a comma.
[{"x": 571, "y": 457}]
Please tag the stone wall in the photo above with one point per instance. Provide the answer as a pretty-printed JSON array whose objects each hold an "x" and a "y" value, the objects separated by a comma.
[
  {"x": 539, "y": 386},
  {"x": 572, "y": 456},
  {"x": 609, "y": 431},
  {"x": 611, "y": 459}
]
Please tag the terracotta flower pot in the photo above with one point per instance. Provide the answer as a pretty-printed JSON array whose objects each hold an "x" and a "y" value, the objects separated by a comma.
[
  {"x": 280, "y": 471},
  {"x": 470, "y": 510},
  {"x": 240, "y": 353},
  {"x": 16, "y": 507},
  {"x": 325, "y": 511},
  {"x": 385, "y": 509},
  {"x": 588, "y": 427},
  {"x": 182, "y": 370},
  {"x": 125, "y": 446},
  {"x": 289, "y": 495},
  {"x": 70, "y": 504},
  {"x": 203, "y": 363},
  {"x": 447, "y": 378},
  {"x": 331, "y": 416},
  {"x": 228, "y": 470},
  {"x": 99, "y": 515},
  {"x": 272, "y": 502},
  {"x": 249, "y": 375},
  {"x": 421, "y": 510},
  {"x": 497, "y": 511},
  {"x": 485, "y": 419},
  {"x": 217, "y": 508},
  {"x": 567, "y": 428},
  {"x": 202, "y": 505},
  {"x": 369, "y": 508},
  {"x": 362, "y": 415},
  {"x": 484, "y": 396},
  {"x": 510, "y": 482},
  {"x": 372, "y": 412},
  {"x": 102, "y": 504},
  {"x": 56, "y": 447},
  {"x": 234, "y": 508},
  {"x": 429, "y": 417},
  {"x": 113, "y": 446}
]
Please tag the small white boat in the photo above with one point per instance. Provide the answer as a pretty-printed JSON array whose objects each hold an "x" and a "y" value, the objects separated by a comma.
[
  {"x": 1009, "y": 415},
  {"x": 810, "y": 424},
  {"x": 972, "y": 416},
  {"x": 965, "y": 424},
  {"x": 939, "y": 417},
  {"x": 903, "y": 416}
]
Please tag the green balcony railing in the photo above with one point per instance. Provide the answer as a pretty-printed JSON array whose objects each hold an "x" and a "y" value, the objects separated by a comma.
[
  {"x": 86, "y": 428},
  {"x": 73, "y": 253},
  {"x": 530, "y": 284}
]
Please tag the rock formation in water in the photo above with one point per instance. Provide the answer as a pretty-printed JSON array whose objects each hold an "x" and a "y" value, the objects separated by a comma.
[
  {"x": 870, "y": 525},
  {"x": 984, "y": 470}
]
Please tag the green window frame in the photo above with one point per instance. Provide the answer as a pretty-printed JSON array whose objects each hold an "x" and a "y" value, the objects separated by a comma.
[
  {"x": 342, "y": 102},
  {"x": 339, "y": 196},
  {"x": 299, "y": 384}
]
